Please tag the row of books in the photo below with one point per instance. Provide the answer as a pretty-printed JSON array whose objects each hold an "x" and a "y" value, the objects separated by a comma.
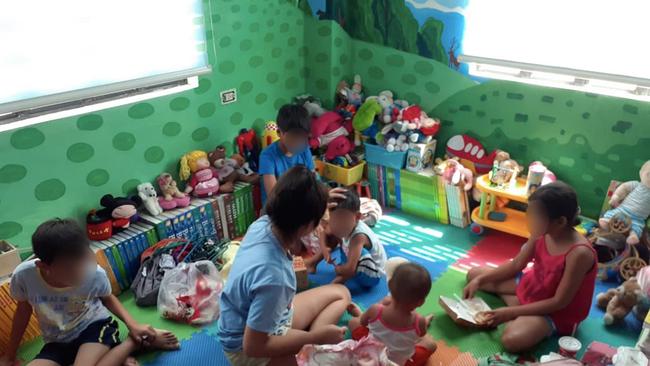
[
  {"x": 7, "y": 310},
  {"x": 458, "y": 205}
]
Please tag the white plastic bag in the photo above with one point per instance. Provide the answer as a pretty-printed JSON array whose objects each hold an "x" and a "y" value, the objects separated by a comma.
[
  {"x": 190, "y": 293},
  {"x": 365, "y": 352}
]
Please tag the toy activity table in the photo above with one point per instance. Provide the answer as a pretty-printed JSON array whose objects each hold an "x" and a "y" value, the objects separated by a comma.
[{"x": 515, "y": 220}]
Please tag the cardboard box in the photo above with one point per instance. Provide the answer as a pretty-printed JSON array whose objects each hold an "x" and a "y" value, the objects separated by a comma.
[
  {"x": 302, "y": 282},
  {"x": 420, "y": 156},
  {"x": 9, "y": 258}
]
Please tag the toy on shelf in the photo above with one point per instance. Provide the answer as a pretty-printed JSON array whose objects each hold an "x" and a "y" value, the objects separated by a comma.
[
  {"x": 172, "y": 197},
  {"x": 454, "y": 173},
  {"x": 249, "y": 147},
  {"x": 149, "y": 197},
  {"x": 245, "y": 172},
  {"x": 471, "y": 153},
  {"x": 616, "y": 257},
  {"x": 510, "y": 220},
  {"x": 310, "y": 103},
  {"x": 363, "y": 121},
  {"x": 504, "y": 171},
  {"x": 618, "y": 302},
  {"x": 348, "y": 100},
  {"x": 98, "y": 228},
  {"x": 420, "y": 156},
  {"x": 120, "y": 211},
  {"x": 331, "y": 131},
  {"x": 270, "y": 134},
  {"x": 632, "y": 199},
  {"x": 202, "y": 179},
  {"x": 227, "y": 169}
]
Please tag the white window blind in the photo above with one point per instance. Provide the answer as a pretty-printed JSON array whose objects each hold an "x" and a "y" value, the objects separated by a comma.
[
  {"x": 576, "y": 44},
  {"x": 54, "y": 52}
]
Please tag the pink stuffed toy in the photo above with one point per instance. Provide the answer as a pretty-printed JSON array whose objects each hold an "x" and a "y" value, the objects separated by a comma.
[
  {"x": 549, "y": 176},
  {"x": 329, "y": 129},
  {"x": 455, "y": 173}
]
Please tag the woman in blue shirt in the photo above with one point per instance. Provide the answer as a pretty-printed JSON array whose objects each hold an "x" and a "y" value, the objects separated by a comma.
[{"x": 263, "y": 321}]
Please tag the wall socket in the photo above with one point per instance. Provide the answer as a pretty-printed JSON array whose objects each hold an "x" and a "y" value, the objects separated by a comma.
[{"x": 228, "y": 96}]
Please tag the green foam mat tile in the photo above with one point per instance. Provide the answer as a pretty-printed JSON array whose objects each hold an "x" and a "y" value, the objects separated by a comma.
[{"x": 479, "y": 343}]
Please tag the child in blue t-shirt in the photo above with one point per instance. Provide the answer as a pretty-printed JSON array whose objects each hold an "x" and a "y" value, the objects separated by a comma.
[
  {"x": 263, "y": 321},
  {"x": 291, "y": 150},
  {"x": 71, "y": 297}
]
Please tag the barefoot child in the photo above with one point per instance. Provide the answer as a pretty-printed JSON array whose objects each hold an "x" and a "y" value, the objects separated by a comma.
[
  {"x": 263, "y": 321},
  {"x": 72, "y": 299},
  {"x": 362, "y": 255},
  {"x": 555, "y": 295},
  {"x": 395, "y": 323}
]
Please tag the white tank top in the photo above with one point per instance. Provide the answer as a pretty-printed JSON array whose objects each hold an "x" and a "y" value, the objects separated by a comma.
[
  {"x": 376, "y": 250},
  {"x": 400, "y": 342}
]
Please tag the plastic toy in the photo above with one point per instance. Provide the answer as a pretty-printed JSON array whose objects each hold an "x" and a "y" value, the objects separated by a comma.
[
  {"x": 620, "y": 301},
  {"x": 515, "y": 222},
  {"x": 504, "y": 170},
  {"x": 119, "y": 210},
  {"x": 471, "y": 153},
  {"x": 632, "y": 199},
  {"x": 203, "y": 179},
  {"x": 364, "y": 118},
  {"x": 332, "y": 131},
  {"x": 270, "y": 134},
  {"x": 98, "y": 228},
  {"x": 249, "y": 147},
  {"x": 172, "y": 197},
  {"x": 149, "y": 197}
]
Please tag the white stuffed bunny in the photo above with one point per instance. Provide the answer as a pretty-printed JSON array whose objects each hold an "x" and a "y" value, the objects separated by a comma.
[{"x": 149, "y": 197}]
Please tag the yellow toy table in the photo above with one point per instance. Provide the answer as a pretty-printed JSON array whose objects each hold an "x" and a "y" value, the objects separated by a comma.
[{"x": 515, "y": 220}]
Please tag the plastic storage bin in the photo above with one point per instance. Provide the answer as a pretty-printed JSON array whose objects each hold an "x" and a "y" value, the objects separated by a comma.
[
  {"x": 378, "y": 155},
  {"x": 341, "y": 175}
]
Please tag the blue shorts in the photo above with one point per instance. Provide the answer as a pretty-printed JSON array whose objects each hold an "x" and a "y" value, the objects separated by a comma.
[
  {"x": 546, "y": 317},
  {"x": 368, "y": 272},
  {"x": 105, "y": 332},
  {"x": 637, "y": 223}
]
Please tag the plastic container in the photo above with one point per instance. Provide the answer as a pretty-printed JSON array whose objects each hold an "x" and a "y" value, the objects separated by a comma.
[
  {"x": 378, "y": 155},
  {"x": 341, "y": 175},
  {"x": 569, "y": 347}
]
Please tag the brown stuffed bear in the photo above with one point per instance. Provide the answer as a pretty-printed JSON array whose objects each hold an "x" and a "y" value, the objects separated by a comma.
[
  {"x": 227, "y": 169},
  {"x": 618, "y": 302}
]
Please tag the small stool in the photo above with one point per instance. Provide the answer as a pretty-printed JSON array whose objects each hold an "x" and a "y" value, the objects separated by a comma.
[{"x": 363, "y": 189}]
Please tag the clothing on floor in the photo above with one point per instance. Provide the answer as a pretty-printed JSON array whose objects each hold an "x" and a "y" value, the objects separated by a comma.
[{"x": 62, "y": 313}]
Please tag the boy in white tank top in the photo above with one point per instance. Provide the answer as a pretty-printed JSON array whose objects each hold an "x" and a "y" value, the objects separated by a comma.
[{"x": 395, "y": 322}]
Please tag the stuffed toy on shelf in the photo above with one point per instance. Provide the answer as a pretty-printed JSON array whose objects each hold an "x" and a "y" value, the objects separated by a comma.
[
  {"x": 363, "y": 121},
  {"x": 172, "y": 197},
  {"x": 121, "y": 211},
  {"x": 331, "y": 131},
  {"x": 631, "y": 199},
  {"x": 202, "y": 179},
  {"x": 271, "y": 134},
  {"x": 249, "y": 147},
  {"x": 149, "y": 197},
  {"x": 226, "y": 169},
  {"x": 246, "y": 174}
]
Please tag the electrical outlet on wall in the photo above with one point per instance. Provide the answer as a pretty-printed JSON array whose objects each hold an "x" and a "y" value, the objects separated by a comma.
[{"x": 228, "y": 96}]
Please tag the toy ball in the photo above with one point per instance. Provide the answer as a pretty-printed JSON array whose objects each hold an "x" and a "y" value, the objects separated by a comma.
[{"x": 477, "y": 229}]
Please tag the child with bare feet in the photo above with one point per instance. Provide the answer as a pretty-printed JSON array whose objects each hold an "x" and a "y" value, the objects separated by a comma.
[
  {"x": 394, "y": 321},
  {"x": 72, "y": 299}
]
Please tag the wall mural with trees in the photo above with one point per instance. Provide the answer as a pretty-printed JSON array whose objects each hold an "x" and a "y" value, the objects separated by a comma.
[{"x": 429, "y": 28}]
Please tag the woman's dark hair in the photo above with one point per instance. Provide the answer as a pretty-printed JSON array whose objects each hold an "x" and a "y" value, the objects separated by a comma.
[
  {"x": 297, "y": 199},
  {"x": 558, "y": 200},
  {"x": 293, "y": 117},
  {"x": 59, "y": 238}
]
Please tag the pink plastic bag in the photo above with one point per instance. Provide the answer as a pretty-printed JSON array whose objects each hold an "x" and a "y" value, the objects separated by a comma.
[{"x": 365, "y": 352}]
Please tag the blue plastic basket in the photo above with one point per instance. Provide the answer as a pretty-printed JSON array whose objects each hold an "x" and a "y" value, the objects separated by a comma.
[{"x": 378, "y": 155}]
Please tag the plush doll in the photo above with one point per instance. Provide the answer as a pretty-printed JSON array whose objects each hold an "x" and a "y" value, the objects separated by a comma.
[
  {"x": 120, "y": 210},
  {"x": 203, "y": 179},
  {"x": 364, "y": 119},
  {"x": 226, "y": 168},
  {"x": 314, "y": 109},
  {"x": 346, "y": 99},
  {"x": 631, "y": 199},
  {"x": 172, "y": 197},
  {"x": 428, "y": 126},
  {"x": 245, "y": 173},
  {"x": 620, "y": 301},
  {"x": 332, "y": 131},
  {"x": 270, "y": 134},
  {"x": 249, "y": 147},
  {"x": 453, "y": 172},
  {"x": 149, "y": 197}
]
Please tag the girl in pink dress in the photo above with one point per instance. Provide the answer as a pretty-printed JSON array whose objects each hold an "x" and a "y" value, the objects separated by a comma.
[{"x": 553, "y": 296}]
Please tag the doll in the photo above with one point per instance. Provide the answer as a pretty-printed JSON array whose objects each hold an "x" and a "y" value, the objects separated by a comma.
[
  {"x": 172, "y": 197},
  {"x": 226, "y": 168},
  {"x": 203, "y": 179}
]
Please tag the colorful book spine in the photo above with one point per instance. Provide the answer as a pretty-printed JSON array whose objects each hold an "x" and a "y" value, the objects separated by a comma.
[
  {"x": 158, "y": 222},
  {"x": 103, "y": 262},
  {"x": 110, "y": 255},
  {"x": 113, "y": 246},
  {"x": 229, "y": 201}
]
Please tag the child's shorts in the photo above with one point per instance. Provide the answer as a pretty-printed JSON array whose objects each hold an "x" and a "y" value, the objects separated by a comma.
[
  {"x": 419, "y": 358},
  {"x": 368, "y": 271},
  {"x": 105, "y": 332}
]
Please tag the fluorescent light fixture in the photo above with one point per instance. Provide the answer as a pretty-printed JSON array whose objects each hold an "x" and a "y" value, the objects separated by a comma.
[
  {"x": 189, "y": 83},
  {"x": 555, "y": 77}
]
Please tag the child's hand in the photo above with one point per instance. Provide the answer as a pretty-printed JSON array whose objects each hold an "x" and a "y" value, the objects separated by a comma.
[
  {"x": 471, "y": 288},
  {"x": 328, "y": 334},
  {"x": 142, "y": 333},
  {"x": 497, "y": 316}
]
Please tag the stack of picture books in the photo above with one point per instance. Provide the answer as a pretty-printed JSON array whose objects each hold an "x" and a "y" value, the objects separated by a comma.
[
  {"x": 7, "y": 310},
  {"x": 233, "y": 213}
]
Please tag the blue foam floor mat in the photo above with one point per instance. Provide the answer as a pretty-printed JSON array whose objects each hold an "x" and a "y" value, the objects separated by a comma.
[{"x": 203, "y": 349}]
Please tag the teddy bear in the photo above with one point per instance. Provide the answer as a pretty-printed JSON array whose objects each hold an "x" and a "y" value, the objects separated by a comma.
[
  {"x": 620, "y": 301},
  {"x": 226, "y": 169},
  {"x": 172, "y": 197},
  {"x": 631, "y": 199},
  {"x": 202, "y": 179},
  {"x": 120, "y": 210},
  {"x": 149, "y": 197},
  {"x": 332, "y": 131}
]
